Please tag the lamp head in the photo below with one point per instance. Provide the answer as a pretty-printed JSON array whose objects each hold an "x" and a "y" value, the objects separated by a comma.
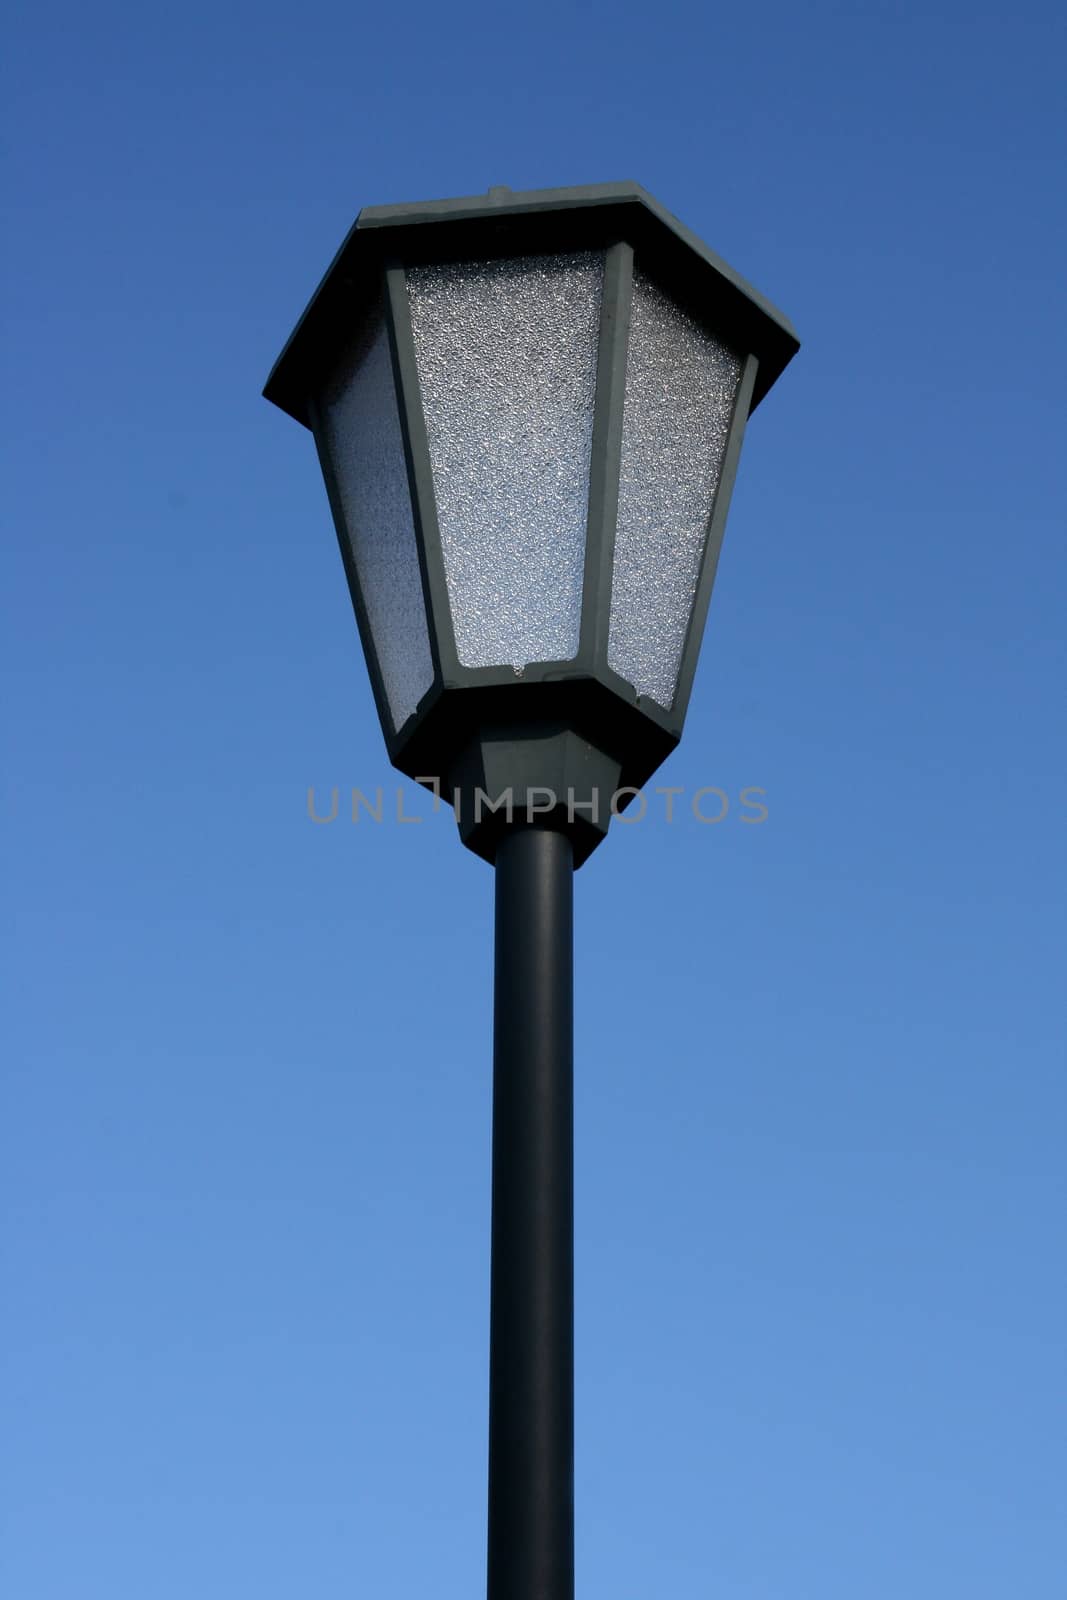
[{"x": 528, "y": 410}]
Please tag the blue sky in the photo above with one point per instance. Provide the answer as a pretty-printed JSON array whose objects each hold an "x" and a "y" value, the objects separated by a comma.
[{"x": 820, "y": 1087}]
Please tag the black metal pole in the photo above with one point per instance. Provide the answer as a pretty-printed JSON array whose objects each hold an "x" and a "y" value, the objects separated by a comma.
[{"x": 531, "y": 1331}]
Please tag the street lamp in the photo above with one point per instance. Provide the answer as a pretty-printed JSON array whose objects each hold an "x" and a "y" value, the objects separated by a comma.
[{"x": 528, "y": 409}]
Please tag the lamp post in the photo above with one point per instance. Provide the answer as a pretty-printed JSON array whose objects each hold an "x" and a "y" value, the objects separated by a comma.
[{"x": 528, "y": 410}]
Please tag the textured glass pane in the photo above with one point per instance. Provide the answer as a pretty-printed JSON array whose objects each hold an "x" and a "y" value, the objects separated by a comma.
[
  {"x": 507, "y": 366},
  {"x": 361, "y": 433},
  {"x": 680, "y": 390}
]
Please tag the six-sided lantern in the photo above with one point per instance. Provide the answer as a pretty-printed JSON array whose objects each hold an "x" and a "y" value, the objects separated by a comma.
[{"x": 529, "y": 410}]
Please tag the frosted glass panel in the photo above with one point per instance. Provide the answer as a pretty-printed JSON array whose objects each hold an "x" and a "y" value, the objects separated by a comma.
[
  {"x": 680, "y": 390},
  {"x": 506, "y": 355},
  {"x": 362, "y": 439}
]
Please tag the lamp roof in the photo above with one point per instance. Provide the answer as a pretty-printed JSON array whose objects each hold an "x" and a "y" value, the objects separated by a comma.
[{"x": 504, "y": 222}]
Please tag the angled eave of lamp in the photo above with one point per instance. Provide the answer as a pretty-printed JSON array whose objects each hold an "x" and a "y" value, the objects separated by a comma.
[{"x": 528, "y": 410}]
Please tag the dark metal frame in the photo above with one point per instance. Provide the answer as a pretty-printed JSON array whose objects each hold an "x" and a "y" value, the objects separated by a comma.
[{"x": 484, "y": 727}]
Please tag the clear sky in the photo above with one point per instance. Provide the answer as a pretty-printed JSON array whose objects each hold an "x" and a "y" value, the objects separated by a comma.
[{"x": 820, "y": 1064}]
